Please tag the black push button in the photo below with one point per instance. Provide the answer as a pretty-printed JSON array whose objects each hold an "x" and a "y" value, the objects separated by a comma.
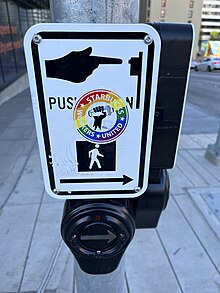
[
  {"x": 98, "y": 236},
  {"x": 97, "y": 233}
]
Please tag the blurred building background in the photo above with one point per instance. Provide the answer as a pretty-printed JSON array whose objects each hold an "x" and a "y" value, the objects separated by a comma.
[
  {"x": 16, "y": 16},
  {"x": 187, "y": 11},
  {"x": 210, "y": 18},
  {"x": 203, "y": 14}
]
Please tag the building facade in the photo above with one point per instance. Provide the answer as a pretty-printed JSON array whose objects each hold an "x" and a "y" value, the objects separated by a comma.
[
  {"x": 16, "y": 16},
  {"x": 185, "y": 11},
  {"x": 210, "y": 18}
]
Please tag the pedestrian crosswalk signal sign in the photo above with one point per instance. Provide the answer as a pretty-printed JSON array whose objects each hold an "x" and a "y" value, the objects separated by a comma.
[{"x": 93, "y": 90}]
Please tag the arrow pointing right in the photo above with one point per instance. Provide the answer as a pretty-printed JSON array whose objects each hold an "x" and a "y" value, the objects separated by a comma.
[
  {"x": 110, "y": 237},
  {"x": 124, "y": 179}
]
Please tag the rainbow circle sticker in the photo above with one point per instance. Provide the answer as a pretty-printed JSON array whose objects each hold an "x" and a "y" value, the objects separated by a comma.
[{"x": 100, "y": 116}]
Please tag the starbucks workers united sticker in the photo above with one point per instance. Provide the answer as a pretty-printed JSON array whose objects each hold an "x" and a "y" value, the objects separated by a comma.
[{"x": 100, "y": 116}]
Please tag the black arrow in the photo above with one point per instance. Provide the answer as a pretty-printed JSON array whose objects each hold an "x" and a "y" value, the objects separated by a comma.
[
  {"x": 110, "y": 237},
  {"x": 125, "y": 179}
]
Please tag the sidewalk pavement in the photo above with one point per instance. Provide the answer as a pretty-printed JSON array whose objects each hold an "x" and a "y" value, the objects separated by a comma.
[{"x": 180, "y": 255}]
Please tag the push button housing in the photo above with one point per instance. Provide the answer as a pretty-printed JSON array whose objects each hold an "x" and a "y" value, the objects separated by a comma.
[{"x": 97, "y": 233}]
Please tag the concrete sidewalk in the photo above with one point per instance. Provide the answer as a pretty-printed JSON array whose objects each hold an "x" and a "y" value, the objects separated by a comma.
[{"x": 181, "y": 255}]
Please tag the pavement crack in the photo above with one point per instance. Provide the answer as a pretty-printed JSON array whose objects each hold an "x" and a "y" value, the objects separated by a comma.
[
  {"x": 30, "y": 243},
  {"x": 170, "y": 263},
  {"x": 195, "y": 234},
  {"x": 19, "y": 177},
  {"x": 51, "y": 267}
]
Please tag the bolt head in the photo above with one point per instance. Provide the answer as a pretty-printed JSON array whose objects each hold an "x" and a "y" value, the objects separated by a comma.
[
  {"x": 73, "y": 238},
  {"x": 122, "y": 236},
  {"x": 56, "y": 191},
  {"x": 148, "y": 40},
  {"x": 137, "y": 189},
  {"x": 37, "y": 39}
]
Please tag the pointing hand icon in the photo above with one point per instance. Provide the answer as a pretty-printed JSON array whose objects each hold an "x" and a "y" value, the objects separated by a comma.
[{"x": 77, "y": 66}]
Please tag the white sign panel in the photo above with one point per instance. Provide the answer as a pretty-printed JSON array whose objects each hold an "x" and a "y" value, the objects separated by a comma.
[{"x": 93, "y": 90}]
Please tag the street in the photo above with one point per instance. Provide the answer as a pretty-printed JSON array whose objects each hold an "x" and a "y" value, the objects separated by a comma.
[
  {"x": 202, "y": 103},
  {"x": 204, "y": 90}
]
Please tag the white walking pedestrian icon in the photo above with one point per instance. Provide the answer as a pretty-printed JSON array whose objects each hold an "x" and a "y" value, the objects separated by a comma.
[{"x": 93, "y": 154}]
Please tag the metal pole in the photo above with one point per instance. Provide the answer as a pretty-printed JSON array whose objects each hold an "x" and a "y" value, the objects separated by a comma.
[
  {"x": 217, "y": 143},
  {"x": 213, "y": 151},
  {"x": 97, "y": 11},
  {"x": 114, "y": 282}
]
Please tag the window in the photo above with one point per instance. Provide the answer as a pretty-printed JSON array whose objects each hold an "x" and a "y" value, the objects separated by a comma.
[
  {"x": 211, "y": 19},
  {"x": 190, "y": 14},
  {"x": 210, "y": 13},
  {"x": 15, "y": 19},
  {"x": 191, "y": 3},
  {"x": 163, "y": 3},
  {"x": 162, "y": 13}
]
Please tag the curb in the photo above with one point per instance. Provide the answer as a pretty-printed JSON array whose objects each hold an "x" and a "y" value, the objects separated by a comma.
[{"x": 18, "y": 86}]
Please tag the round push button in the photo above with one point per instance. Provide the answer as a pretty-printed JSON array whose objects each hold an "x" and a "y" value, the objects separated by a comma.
[{"x": 98, "y": 236}]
